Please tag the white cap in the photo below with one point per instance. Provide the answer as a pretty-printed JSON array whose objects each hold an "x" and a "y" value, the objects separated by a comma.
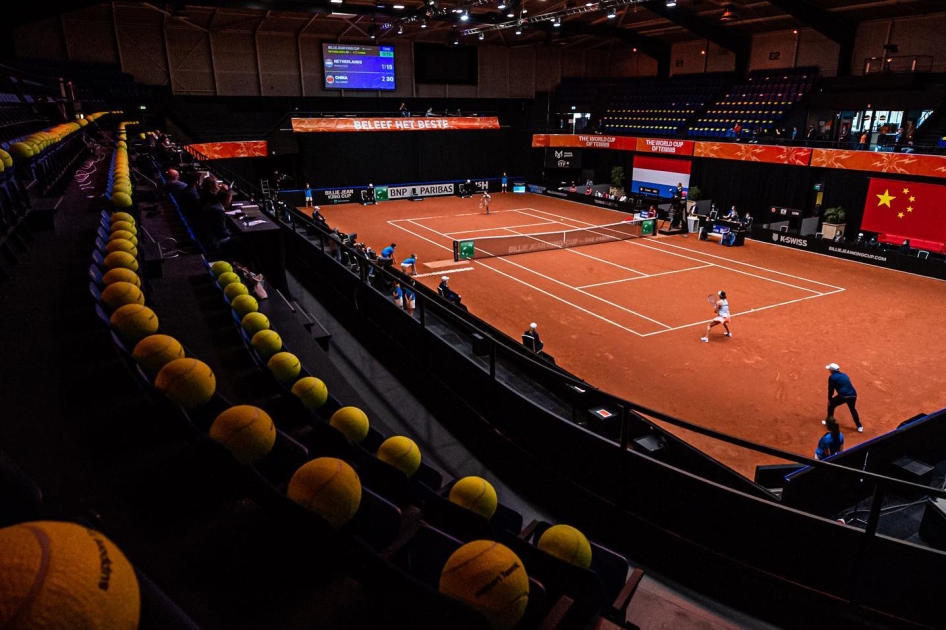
[
  {"x": 444, "y": 278},
  {"x": 533, "y": 325},
  {"x": 834, "y": 367}
]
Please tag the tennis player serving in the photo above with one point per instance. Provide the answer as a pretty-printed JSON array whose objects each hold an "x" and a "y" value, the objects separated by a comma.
[
  {"x": 721, "y": 308},
  {"x": 484, "y": 201}
]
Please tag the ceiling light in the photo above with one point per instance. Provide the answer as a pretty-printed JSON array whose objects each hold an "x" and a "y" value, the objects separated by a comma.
[
  {"x": 671, "y": 3},
  {"x": 423, "y": 24},
  {"x": 502, "y": 5},
  {"x": 612, "y": 14},
  {"x": 557, "y": 22},
  {"x": 728, "y": 14},
  {"x": 510, "y": 14},
  {"x": 336, "y": 1},
  {"x": 398, "y": 6},
  {"x": 464, "y": 16},
  {"x": 482, "y": 36},
  {"x": 524, "y": 11},
  {"x": 519, "y": 30},
  {"x": 400, "y": 30}
]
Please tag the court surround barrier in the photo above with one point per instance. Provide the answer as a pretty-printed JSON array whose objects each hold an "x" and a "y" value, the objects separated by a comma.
[
  {"x": 887, "y": 258},
  {"x": 663, "y": 503}
]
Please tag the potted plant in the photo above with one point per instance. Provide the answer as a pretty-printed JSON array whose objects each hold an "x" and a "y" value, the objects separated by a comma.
[
  {"x": 617, "y": 180},
  {"x": 833, "y": 222}
]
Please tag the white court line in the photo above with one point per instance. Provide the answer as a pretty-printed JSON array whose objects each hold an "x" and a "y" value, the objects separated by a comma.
[
  {"x": 745, "y": 273},
  {"x": 450, "y": 216},
  {"x": 589, "y": 312},
  {"x": 560, "y": 299},
  {"x": 591, "y": 295},
  {"x": 755, "y": 310},
  {"x": 511, "y": 227},
  {"x": 401, "y": 227},
  {"x": 693, "y": 251},
  {"x": 443, "y": 272},
  {"x": 652, "y": 275}
]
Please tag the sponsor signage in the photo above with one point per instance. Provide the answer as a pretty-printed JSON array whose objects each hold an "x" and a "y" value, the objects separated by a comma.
[
  {"x": 226, "y": 150},
  {"x": 890, "y": 259},
  {"x": 563, "y": 158},
  {"x": 443, "y": 123},
  {"x": 416, "y": 190},
  {"x": 665, "y": 147},
  {"x": 333, "y": 196}
]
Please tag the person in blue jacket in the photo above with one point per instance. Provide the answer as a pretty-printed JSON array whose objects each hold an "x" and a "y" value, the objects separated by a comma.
[
  {"x": 832, "y": 442},
  {"x": 841, "y": 392}
]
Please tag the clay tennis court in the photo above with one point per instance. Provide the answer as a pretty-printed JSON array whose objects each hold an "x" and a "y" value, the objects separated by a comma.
[{"x": 627, "y": 317}]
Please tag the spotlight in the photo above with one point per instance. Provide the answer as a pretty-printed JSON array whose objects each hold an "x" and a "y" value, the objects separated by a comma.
[
  {"x": 423, "y": 24},
  {"x": 398, "y": 6},
  {"x": 612, "y": 14},
  {"x": 482, "y": 36},
  {"x": 510, "y": 15},
  {"x": 557, "y": 22},
  {"x": 465, "y": 16},
  {"x": 502, "y": 5},
  {"x": 728, "y": 14},
  {"x": 671, "y": 3},
  {"x": 519, "y": 29},
  {"x": 336, "y": 1},
  {"x": 455, "y": 41},
  {"x": 400, "y": 30}
]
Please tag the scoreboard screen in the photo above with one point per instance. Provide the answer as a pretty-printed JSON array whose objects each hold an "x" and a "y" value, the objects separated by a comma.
[{"x": 352, "y": 67}]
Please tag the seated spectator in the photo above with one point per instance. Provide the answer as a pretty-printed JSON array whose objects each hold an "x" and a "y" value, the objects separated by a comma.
[
  {"x": 531, "y": 340},
  {"x": 905, "y": 246},
  {"x": 174, "y": 184},
  {"x": 446, "y": 292},
  {"x": 572, "y": 188},
  {"x": 860, "y": 239},
  {"x": 317, "y": 216},
  {"x": 212, "y": 221},
  {"x": 873, "y": 242},
  {"x": 208, "y": 190},
  {"x": 189, "y": 199},
  {"x": 838, "y": 236},
  {"x": 732, "y": 215}
]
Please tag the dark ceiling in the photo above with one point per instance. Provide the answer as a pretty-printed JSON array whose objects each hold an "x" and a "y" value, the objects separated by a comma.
[{"x": 582, "y": 23}]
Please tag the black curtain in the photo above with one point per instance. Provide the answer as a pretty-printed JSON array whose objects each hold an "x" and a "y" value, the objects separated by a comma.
[{"x": 752, "y": 186}]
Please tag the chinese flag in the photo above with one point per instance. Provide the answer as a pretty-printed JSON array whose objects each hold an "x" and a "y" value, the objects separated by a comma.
[{"x": 905, "y": 209}]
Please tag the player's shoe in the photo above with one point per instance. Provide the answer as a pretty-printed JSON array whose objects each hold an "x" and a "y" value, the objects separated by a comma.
[
  {"x": 824, "y": 422},
  {"x": 704, "y": 339},
  {"x": 727, "y": 334},
  {"x": 860, "y": 429}
]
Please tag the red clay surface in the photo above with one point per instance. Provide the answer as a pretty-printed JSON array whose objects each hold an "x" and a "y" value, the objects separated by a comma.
[{"x": 627, "y": 317}]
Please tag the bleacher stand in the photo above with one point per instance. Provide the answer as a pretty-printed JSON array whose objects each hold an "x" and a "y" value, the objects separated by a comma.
[{"x": 660, "y": 106}]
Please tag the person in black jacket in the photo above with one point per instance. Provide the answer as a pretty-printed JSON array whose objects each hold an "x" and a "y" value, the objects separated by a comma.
[{"x": 212, "y": 220}]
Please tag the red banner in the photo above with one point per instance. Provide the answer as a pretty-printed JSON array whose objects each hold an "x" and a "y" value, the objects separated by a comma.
[
  {"x": 222, "y": 150},
  {"x": 445, "y": 123},
  {"x": 665, "y": 146},
  {"x": 792, "y": 156},
  {"x": 906, "y": 210},
  {"x": 620, "y": 143},
  {"x": 893, "y": 163}
]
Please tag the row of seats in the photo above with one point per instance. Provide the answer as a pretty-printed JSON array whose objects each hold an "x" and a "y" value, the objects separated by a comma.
[
  {"x": 661, "y": 107},
  {"x": 409, "y": 525}
]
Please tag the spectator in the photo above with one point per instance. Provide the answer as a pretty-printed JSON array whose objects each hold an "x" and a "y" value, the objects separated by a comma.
[
  {"x": 905, "y": 246},
  {"x": 533, "y": 334},
  {"x": 212, "y": 220},
  {"x": 572, "y": 188},
  {"x": 832, "y": 442},
  {"x": 838, "y": 236},
  {"x": 174, "y": 184},
  {"x": 403, "y": 110},
  {"x": 317, "y": 216},
  {"x": 446, "y": 292},
  {"x": 430, "y": 112},
  {"x": 208, "y": 190},
  {"x": 189, "y": 199}
]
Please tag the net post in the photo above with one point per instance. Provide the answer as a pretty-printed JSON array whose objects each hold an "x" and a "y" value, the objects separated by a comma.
[{"x": 456, "y": 251}]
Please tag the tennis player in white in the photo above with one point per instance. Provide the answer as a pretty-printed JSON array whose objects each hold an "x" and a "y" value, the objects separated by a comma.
[{"x": 721, "y": 308}]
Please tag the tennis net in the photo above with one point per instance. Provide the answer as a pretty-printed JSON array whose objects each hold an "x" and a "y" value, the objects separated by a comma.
[{"x": 490, "y": 246}]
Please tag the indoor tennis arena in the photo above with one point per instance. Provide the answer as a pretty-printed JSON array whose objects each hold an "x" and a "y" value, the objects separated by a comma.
[{"x": 489, "y": 314}]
